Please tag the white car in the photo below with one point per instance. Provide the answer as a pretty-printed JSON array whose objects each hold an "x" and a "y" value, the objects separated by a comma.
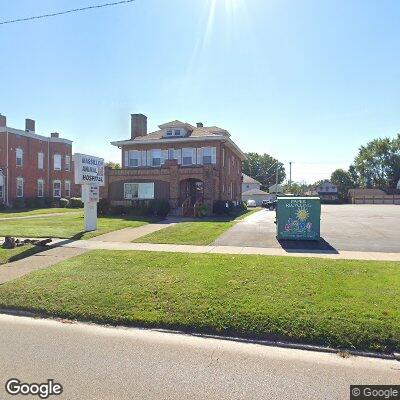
[{"x": 251, "y": 203}]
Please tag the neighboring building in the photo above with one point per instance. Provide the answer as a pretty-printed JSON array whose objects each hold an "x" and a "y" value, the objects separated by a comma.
[
  {"x": 327, "y": 192},
  {"x": 249, "y": 183},
  {"x": 33, "y": 165},
  {"x": 273, "y": 189},
  {"x": 255, "y": 194},
  {"x": 372, "y": 196},
  {"x": 186, "y": 164}
]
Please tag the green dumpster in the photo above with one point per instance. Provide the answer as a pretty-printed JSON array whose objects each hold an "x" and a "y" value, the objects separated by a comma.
[{"x": 298, "y": 218}]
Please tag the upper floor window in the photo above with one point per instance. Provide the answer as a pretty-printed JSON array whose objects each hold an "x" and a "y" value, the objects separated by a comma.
[
  {"x": 169, "y": 132},
  {"x": 177, "y": 132},
  {"x": 1, "y": 185},
  {"x": 40, "y": 160},
  {"x": 134, "y": 158},
  {"x": 187, "y": 156},
  {"x": 209, "y": 155},
  {"x": 57, "y": 162},
  {"x": 156, "y": 158},
  {"x": 67, "y": 163},
  {"x": 67, "y": 185},
  {"x": 56, "y": 188},
  {"x": 40, "y": 188},
  {"x": 19, "y": 157},
  {"x": 20, "y": 187}
]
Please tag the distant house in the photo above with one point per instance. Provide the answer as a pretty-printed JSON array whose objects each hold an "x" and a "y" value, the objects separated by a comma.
[
  {"x": 327, "y": 191},
  {"x": 249, "y": 183},
  {"x": 257, "y": 195},
  {"x": 272, "y": 189}
]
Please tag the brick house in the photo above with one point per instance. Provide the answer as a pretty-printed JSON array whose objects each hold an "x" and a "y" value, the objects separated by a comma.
[
  {"x": 188, "y": 165},
  {"x": 32, "y": 165}
]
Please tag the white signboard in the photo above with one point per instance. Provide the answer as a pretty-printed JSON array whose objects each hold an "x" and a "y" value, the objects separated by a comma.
[
  {"x": 88, "y": 170},
  {"x": 92, "y": 195}
]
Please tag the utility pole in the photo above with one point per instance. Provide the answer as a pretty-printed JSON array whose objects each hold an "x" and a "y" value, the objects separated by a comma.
[
  {"x": 276, "y": 182},
  {"x": 290, "y": 176}
]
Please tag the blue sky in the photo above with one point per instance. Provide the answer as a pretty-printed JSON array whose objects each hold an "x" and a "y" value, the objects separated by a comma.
[{"x": 305, "y": 81}]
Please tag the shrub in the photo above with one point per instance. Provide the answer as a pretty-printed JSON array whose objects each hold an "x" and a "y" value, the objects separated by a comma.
[
  {"x": 47, "y": 201},
  {"x": 18, "y": 204},
  {"x": 64, "y": 203},
  {"x": 202, "y": 211},
  {"x": 103, "y": 207},
  {"x": 242, "y": 206},
  {"x": 119, "y": 210},
  {"x": 75, "y": 202},
  {"x": 55, "y": 203},
  {"x": 140, "y": 208},
  {"x": 40, "y": 202},
  {"x": 2, "y": 205},
  {"x": 159, "y": 207},
  {"x": 220, "y": 207},
  {"x": 30, "y": 202}
]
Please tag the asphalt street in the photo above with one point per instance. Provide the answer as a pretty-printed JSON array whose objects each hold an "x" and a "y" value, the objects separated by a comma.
[
  {"x": 344, "y": 227},
  {"x": 94, "y": 362}
]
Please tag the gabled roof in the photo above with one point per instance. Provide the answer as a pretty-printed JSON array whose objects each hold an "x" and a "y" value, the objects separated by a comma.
[
  {"x": 366, "y": 192},
  {"x": 249, "y": 179},
  {"x": 176, "y": 124}
]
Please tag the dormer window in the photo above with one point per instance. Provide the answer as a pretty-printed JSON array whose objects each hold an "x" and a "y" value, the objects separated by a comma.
[
  {"x": 169, "y": 133},
  {"x": 177, "y": 132}
]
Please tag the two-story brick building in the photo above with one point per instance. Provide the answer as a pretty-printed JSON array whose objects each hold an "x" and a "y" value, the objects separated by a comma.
[
  {"x": 180, "y": 162},
  {"x": 32, "y": 165}
]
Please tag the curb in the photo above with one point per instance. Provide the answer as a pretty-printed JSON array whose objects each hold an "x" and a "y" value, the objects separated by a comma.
[{"x": 270, "y": 343}]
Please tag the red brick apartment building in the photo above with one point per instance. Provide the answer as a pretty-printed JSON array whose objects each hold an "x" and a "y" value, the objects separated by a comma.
[
  {"x": 185, "y": 164},
  {"x": 33, "y": 165}
]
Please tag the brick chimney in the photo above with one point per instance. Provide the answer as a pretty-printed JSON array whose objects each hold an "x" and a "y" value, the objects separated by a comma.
[
  {"x": 199, "y": 124},
  {"x": 54, "y": 134},
  {"x": 138, "y": 125},
  {"x": 29, "y": 125},
  {"x": 3, "y": 120}
]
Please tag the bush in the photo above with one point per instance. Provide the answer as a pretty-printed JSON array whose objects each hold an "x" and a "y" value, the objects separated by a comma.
[
  {"x": 40, "y": 202},
  {"x": 30, "y": 202},
  {"x": 242, "y": 206},
  {"x": 103, "y": 207},
  {"x": 55, "y": 203},
  {"x": 18, "y": 204},
  {"x": 64, "y": 203},
  {"x": 220, "y": 207},
  {"x": 140, "y": 208},
  {"x": 75, "y": 202},
  {"x": 2, "y": 205},
  {"x": 202, "y": 211},
  {"x": 159, "y": 207},
  {"x": 119, "y": 210}
]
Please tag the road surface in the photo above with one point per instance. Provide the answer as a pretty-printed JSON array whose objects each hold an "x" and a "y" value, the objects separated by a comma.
[{"x": 94, "y": 362}]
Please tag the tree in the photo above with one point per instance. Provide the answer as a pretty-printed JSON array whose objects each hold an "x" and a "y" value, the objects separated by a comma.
[
  {"x": 261, "y": 167},
  {"x": 378, "y": 163},
  {"x": 343, "y": 181},
  {"x": 113, "y": 165},
  {"x": 297, "y": 188}
]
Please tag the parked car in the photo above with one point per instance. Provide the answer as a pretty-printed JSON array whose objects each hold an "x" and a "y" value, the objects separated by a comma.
[
  {"x": 251, "y": 203},
  {"x": 269, "y": 204}
]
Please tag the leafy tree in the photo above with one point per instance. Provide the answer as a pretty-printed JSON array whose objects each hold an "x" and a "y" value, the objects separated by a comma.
[
  {"x": 378, "y": 163},
  {"x": 343, "y": 181},
  {"x": 261, "y": 167},
  {"x": 297, "y": 188},
  {"x": 113, "y": 165}
]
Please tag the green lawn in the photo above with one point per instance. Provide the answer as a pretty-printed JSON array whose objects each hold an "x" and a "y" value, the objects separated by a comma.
[
  {"x": 8, "y": 255},
  {"x": 196, "y": 232},
  {"x": 338, "y": 303},
  {"x": 65, "y": 226},
  {"x": 27, "y": 213}
]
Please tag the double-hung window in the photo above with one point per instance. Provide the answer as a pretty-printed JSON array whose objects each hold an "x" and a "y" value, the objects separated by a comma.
[
  {"x": 57, "y": 162},
  {"x": 1, "y": 186},
  {"x": 177, "y": 132},
  {"x": 40, "y": 160},
  {"x": 156, "y": 158},
  {"x": 40, "y": 188},
  {"x": 207, "y": 155},
  {"x": 57, "y": 189},
  {"x": 67, "y": 187},
  {"x": 20, "y": 187},
  {"x": 187, "y": 156},
  {"x": 169, "y": 132},
  {"x": 19, "y": 157},
  {"x": 134, "y": 158},
  {"x": 67, "y": 163}
]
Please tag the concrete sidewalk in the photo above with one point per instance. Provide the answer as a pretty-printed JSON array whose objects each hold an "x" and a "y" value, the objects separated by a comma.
[{"x": 343, "y": 255}]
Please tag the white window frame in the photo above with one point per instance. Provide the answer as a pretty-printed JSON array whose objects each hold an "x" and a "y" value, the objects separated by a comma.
[
  {"x": 40, "y": 160},
  {"x": 19, "y": 155},
  {"x": 67, "y": 188},
  {"x": 2, "y": 185},
  {"x": 54, "y": 189},
  {"x": 40, "y": 184},
  {"x": 207, "y": 152},
  {"x": 68, "y": 163},
  {"x": 143, "y": 191},
  {"x": 187, "y": 150},
  {"x": 55, "y": 164},
  {"x": 20, "y": 185},
  {"x": 134, "y": 155},
  {"x": 158, "y": 153}
]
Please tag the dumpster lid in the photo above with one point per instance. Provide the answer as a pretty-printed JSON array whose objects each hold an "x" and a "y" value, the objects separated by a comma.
[{"x": 298, "y": 198}]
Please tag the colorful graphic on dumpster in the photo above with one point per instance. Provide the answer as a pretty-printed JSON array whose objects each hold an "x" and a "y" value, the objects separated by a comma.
[{"x": 298, "y": 222}]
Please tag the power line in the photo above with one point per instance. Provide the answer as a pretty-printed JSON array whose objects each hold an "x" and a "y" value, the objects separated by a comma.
[{"x": 75, "y": 10}]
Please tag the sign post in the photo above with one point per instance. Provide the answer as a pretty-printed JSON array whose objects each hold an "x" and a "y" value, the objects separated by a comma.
[{"x": 89, "y": 172}]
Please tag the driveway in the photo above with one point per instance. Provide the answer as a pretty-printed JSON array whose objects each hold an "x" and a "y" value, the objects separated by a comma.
[{"x": 363, "y": 227}]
